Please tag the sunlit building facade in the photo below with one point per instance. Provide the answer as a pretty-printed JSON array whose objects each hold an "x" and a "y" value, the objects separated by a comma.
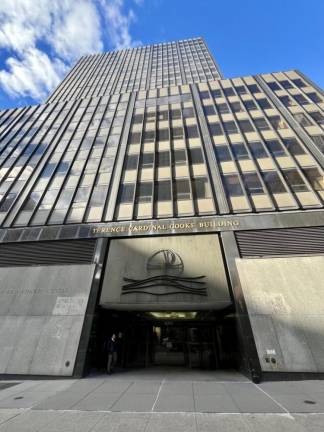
[{"x": 152, "y": 197}]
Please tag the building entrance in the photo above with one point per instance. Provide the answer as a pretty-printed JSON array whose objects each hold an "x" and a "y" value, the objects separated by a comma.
[{"x": 204, "y": 340}]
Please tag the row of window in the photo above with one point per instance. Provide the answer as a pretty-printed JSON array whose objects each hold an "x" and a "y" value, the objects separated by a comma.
[{"x": 179, "y": 189}]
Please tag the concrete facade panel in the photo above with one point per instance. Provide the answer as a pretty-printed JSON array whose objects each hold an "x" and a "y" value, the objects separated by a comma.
[
  {"x": 41, "y": 317},
  {"x": 285, "y": 301}
]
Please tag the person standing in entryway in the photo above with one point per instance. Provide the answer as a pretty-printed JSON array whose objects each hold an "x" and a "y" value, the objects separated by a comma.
[{"x": 112, "y": 353}]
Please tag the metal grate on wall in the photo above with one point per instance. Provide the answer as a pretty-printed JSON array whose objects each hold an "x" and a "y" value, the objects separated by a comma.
[
  {"x": 281, "y": 242},
  {"x": 47, "y": 253}
]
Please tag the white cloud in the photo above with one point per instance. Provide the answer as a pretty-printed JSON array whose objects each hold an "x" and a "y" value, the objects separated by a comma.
[
  {"x": 118, "y": 23},
  {"x": 45, "y": 37}
]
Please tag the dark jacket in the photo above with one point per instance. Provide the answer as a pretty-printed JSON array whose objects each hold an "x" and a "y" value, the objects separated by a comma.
[{"x": 111, "y": 346}]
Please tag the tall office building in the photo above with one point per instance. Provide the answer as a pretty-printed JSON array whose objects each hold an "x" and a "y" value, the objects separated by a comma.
[{"x": 152, "y": 197}]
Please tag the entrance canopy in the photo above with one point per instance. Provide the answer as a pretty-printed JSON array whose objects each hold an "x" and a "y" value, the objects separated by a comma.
[{"x": 165, "y": 273}]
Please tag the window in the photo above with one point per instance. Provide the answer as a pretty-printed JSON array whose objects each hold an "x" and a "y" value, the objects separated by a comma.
[
  {"x": 163, "y": 115},
  {"x": 229, "y": 92},
  {"x": 188, "y": 112},
  {"x": 163, "y": 159},
  {"x": 261, "y": 124},
  {"x": 273, "y": 182},
  {"x": 175, "y": 114},
  {"x": 232, "y": 185},
  {"x": 180, "y": 157},
  {"x": 196, "y": 156},
  {"x": 209, "y": 110},
  {"x": 286, "y": 84},
  {"x": 144, "y": 192},
  {"x": 131, "y": 162},
  {"x": 147, "y": 160},
  {"x": 135, "y": 138},
  {"x": 201, "y": 188},
  {"x": 295, "y": 180},
  {"x": 149, "y": 136},
  {"x": 250, "y": 105},
  {"x": 7, "y": 202},
  {"x": 163, "y": 190},
  {"x": 236, "y": 106},
  {"x": 302, "y": 119},
  {"x": 253, "y": 183},
  {"x": 258, "y": 149},
  {"x": 223, "y": 108},
  {"x": 245, "y": 125},
  {"x": 314, "y": 97},
  {"x": 215, "y": 129},
  {"x": 299, "y": 98},
  {"x": 204, "y": 95},
  {"x": 264, "y": 103},
  {"x": 240, "y": 90},
  {"x": 177, "y": 133},
  {"x": 275, "y": 148},
  {"x": 277, "y": 122},
  {"x": 223, "y": 153},
  {"x": 230, "y": 127},
  {"x": 287, "y": 101},
  {"x": 150, "y": 117},
  {"x": 253, "y": 88},
  {"x": 163, "y": 134},
  {"x": 216, "y": 93},
  {"x": 317, "y": 117},
  {"x": 319, "y": 141},
  {"x": 182, "y": 189},
  {"x": 315, "y": 178},
  {"x": 298, "y": 82},
  {"x": 240, "y": 151},
  {"x": 273, "y": 85},
  {"x": 192, "y": 131},
  {"x": 293, "y": 146}
]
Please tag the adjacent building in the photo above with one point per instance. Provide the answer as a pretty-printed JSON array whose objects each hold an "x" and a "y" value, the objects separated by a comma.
[{"x": 152, "y": 197}]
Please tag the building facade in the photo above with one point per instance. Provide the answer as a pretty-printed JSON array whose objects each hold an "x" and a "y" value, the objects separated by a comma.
[{"x": 153, "y": 197}]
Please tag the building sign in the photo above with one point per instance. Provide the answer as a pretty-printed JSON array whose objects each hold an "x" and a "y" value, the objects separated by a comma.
[{"x": 169, "y": 227}]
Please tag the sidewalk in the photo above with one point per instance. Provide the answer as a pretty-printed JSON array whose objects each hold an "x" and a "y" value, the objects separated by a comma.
[{"x": 161, "y": 400}]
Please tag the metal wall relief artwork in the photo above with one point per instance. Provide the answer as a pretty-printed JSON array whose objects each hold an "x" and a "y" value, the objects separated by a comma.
[{"x": 165, "y": 277}]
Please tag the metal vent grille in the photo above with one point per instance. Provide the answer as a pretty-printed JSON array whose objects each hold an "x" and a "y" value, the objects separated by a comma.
[
  {"x": 280, "y": 242},
  {"x": 47, "y": 253}
]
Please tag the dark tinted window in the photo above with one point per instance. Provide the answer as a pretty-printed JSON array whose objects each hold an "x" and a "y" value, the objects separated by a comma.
[
  {"x": 230, "y": 127},
  {"x": 229, "y": 92},
  {"x": 223, "y": 153},
  {"x": 273, "y": 182},
  {"x": 253, "y": 183},
  {"x": 236, "y": 106},
  {"x": 263, "y": 103},
  {"x": 253, "y": 88},
  {"x": 275, "y": 148},
  {"x": 240, "y": 90},
  {"x": 147, "y": 160},
  {"x": 196, "y": 156},
  {"x": 261, "y": 124},
  {"x": 258, "y": 149},
  {"x": 215, "y": 129},
  {"x": 163, "y": 191},
  {"x": 286, "y": 84},
  {"x": 209, "y": 109},
  {"x": 182, "y": 189},
  {"x": 250, "y": 105},
  {"x": 176, "y": 133},
  {"x": 204, "y": 95},
  {"x": 180, "y": 157},
  {"x": 131, "y": 162},
  {"x": 163, "y": 134},
  {"x": 192, "y": 131},
  {"x": 295, "y": 180},
  {"x": 223, "y": 108},
  {"x": 293, "y": 146},
  {"x": 273, "y": 85},
  {"x": 315, "y": 178},
  {"x": 163, "y": 159},
  {"x": 201, "y": 188},
  {"x": 144, "y": 192},
  {"x": 126, "y": 193},
  {"x": 300, "y": 99},
  {"x": 240, "y": 151},
  {"x": 245, "y": 126},
  {"x": 188, "y": 112},
  {"x": 298, "y": 82},
  {"x": 302, "y": 119},
  {"x": 216, "y": 93},
  {"x": 149, "y": 136},
  {"x": 232, "y": 185},
  {"x": 314, "y": 97}
]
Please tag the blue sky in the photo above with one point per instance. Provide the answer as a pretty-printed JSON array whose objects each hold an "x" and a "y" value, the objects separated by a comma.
[{"x": 41, "y": 39}]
